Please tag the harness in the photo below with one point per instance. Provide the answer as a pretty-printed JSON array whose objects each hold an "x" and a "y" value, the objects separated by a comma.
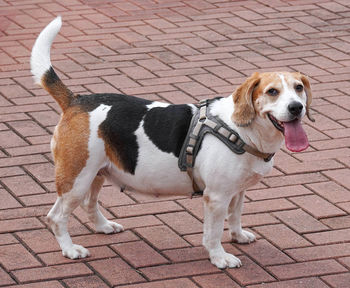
[{"x": 202, "y": 123}]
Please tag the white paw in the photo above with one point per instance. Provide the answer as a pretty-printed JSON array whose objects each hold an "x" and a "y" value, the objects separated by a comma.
[
  {"x": 110, "y": 227},
  {"x": 224, "y": 260},
  {"x": 76, "y": 252},
  {"x": 245, "y": 237}
]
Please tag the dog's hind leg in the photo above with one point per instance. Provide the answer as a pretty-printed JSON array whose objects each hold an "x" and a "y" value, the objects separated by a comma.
[
  {"x": 234, "y": 221},
  {"x": 91, "y": 206},
  {"x": 58, "y": 221}
]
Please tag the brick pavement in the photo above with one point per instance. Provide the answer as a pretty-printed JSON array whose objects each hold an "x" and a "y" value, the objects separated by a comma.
[{"x": 178, "y": 51}]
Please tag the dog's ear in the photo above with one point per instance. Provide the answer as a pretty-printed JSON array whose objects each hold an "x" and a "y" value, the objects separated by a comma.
[
  {"x": 244, "y": 112},
  {"x": 307, "y": 88}
]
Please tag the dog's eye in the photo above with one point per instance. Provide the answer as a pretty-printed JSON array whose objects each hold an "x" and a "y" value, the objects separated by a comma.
[
  {"x": 299, "y": 88},
  {"x": 272, "y": 92}
]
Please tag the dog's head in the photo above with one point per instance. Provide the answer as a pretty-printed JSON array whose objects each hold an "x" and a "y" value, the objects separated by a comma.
[{"x": 279, "y": 98}]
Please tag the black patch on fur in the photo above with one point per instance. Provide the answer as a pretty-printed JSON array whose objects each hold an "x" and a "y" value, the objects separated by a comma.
[
  {"x": 167, "y": 127},
  {"x": 51, "y": 77},
  {"x": 120, "y": 124}
]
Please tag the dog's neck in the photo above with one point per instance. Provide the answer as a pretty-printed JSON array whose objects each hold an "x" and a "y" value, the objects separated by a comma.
[{"x": 260, "y": 134}]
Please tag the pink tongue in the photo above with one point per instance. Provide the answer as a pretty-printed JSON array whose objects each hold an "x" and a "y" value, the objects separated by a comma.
[{"x": 295, "y": 136}]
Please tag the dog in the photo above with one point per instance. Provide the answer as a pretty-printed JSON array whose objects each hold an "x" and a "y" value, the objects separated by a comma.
[{"x": 136, "y": 143}]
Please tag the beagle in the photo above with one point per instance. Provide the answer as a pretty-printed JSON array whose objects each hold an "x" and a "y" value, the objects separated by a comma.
[{"x": 135, "y": 143}]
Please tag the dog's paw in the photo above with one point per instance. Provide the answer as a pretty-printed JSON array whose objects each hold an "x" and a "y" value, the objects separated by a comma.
[
  {"x": 245, "y": 237},
  {"x": 224, "y": 260},
  {"x": 110, "y": 227},
  {"x": 75, "y": 252}
]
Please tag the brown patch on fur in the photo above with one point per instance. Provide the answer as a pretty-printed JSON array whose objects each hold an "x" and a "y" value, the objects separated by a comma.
[
  {"x": 111, "y": 152},
  {"x": 53, "y": 84},
  {"x": 71, "y": 148},
  {"x": 206, "y": 199},
  {"x": 307, "y": 88},
  {"x": 244, "y": 112}
]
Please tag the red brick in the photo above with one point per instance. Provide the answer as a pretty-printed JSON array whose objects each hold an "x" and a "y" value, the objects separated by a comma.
[
  {"x": 337, "y": 281},
  {"x": 298, "y": 283},
  {"x": 300, "y": 221},
  {"x": 181, "y": 282},
  {"x": 282, "y": 236},
  {"x": 182, "y": 222},
  {"x": 329, "y": 237},
  {"x": 265, "y": 253},
  {"x": 267, "y": 206},
  {"x": 178, "y": 270},
  {"x": 116, "y": 271},
  {"x": 186, "y": 254},
  {"x": 317, "y": 206},
  {"x": 279, "y": 192},
  {"x": 331, "y": 191},
  {"x": 338, "y": 222},
  {"x": 52, "y": 272},
  {"x": 46, "y": 284},
  {"x": 7, "y": 201},
  {"x": 145, "y": 209},
  {"x": 139, "y": 254},
  {"x": 43, "y": 172},
  {"x": 10, "y": 139},
  {"x": 294, "y": 179},
  {"x": 56, "y": 258},
  {"x": 341, "y": 176},
  {"x": 22, "y": 160},
  {"x": 20, "y": 224},
  {"x": 215, "y": 280},
  {"x": 141, "y": 221},
  {"x": 162, "y": 237},
  {"x": 86, "y": 282},
  {"x": 23, "y": 258},
  {"x": 249, "y": 273},
  {"x": 39, "y": 240},
  {"x": 312, "y": 268},
  {"x": 5, "y": 279},
  {"x": 319, "y": 252}
]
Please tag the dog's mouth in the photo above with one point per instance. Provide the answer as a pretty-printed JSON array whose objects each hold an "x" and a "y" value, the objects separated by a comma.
[
  {"x": 294, "y": 134},
  {"x": 278, "y": 124}
]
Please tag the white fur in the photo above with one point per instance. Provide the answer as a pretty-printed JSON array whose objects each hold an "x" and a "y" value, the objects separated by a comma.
[{"x": 40, "y": 58}]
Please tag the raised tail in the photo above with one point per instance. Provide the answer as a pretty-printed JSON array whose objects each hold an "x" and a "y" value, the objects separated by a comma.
[{"x": 41, "y": 68}]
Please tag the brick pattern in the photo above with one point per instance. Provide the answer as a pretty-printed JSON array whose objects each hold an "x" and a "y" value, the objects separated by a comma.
[{"x": 178, "y": 51}]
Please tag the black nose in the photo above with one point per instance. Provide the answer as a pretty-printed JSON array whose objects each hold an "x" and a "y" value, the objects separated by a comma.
[{"x": 295, "y": 108}]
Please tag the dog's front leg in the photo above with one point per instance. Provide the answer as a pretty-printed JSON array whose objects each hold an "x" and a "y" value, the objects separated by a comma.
[
  {"x": 234, "y": 220},
  {"x": 215, "y": 211}
]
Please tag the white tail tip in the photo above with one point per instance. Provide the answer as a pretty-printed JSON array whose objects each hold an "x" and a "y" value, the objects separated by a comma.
[{"x": 40, "y": 58}]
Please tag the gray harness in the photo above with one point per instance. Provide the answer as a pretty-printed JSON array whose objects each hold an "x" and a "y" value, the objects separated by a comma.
[{"x": 202, "y": 123}]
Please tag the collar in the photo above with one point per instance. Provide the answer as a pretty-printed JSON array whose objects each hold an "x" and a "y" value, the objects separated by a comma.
[{"x": 202, "y": 123}]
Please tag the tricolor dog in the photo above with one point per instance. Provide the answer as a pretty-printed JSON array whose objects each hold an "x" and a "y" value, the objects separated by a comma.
[{"x": 136, "y": 143}]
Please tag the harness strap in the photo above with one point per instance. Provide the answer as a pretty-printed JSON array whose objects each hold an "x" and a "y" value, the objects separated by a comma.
[{"x": 202, "y": 123}]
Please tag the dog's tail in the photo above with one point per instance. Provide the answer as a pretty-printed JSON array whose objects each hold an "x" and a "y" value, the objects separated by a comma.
[{"x": 41, "y": 68}]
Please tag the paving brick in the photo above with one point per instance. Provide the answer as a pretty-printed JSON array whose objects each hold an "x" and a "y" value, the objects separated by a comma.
[
  {"x": 319, "y": 252},
  {"x": 180, "y": 269},
  {"x": 215, "y": 280},
  {"x": 5, "y": 279},
  {"x": 139, "y": 254},
  {"x": 23, "y": 258},
  {"x": 145, "y": 209},
  {"x": 329, "y": 237},
  {"x": 300, "y": 221},
  {"x": 298, "y": 283},
  {"x": 279, "y": 192},
  {"x": 313, "y": 268},
  {"x": 317, "y": 206},
  {"x": 86, "y": 282},
  {"x": 265, "y": 253},
  {"x": 338, "y": 222},
  {"x": 182, "y": 222},
  {"x": 162, "y": 237},
  {"x": 8, "y": 201},
  {"x": 116, "y": 271},
  {"x": 249, "y": 273},
  {"x": 331, "y": 191},
  {"x": 282, "y": 236},
  {"x": 52, "y": 272},
  {"x": 181, "y": 282}
]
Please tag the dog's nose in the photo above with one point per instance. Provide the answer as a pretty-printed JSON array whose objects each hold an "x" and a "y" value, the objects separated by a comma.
[{"x": 295, "y": 108}]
